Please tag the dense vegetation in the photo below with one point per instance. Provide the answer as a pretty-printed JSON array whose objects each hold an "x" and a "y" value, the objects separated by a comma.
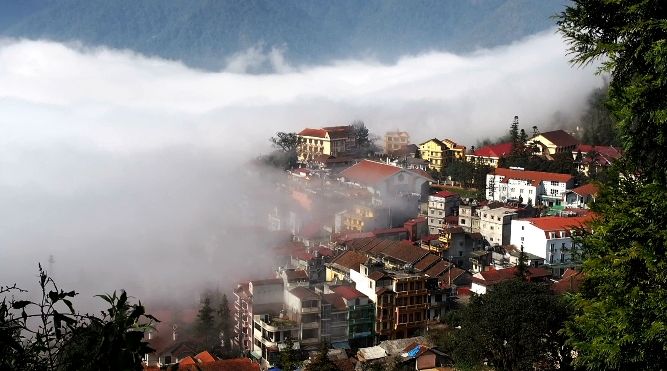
[
  {"x": 49, "y": 334},
  {"x": 204, "y": 33},
  {"x": 621, "y": 313}
]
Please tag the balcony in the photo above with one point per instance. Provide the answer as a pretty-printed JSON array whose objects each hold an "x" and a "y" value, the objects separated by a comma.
[{"x": 310, "y": 310}]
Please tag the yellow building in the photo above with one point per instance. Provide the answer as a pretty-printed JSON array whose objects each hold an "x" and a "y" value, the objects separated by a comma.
[
  {"x": 439, "y": 153},
  {"x": 356, "y": 219},
  {"x": 331, "y": 141},
  {"x": 432, "y": 152}
]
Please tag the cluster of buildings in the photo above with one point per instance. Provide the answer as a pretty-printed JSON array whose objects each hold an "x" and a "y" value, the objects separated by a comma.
[{"x": 379, "y": 251}]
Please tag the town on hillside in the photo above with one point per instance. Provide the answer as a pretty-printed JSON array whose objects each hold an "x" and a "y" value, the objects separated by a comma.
[{"x": 379, "y": 243}]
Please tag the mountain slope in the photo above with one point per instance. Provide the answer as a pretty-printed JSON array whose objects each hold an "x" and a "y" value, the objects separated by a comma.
[{"x": 203, "y": 33}]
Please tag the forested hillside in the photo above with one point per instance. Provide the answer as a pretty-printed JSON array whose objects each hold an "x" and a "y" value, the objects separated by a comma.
[{"x": 204, "y": 33}]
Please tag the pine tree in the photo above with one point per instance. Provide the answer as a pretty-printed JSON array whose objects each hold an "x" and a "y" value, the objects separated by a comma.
[
  {"x": 205, "y": 325},
  {"x": 514, "y": 135},
  {"x": 225, "y": 323},
  {"x": 621, "y": 319}
]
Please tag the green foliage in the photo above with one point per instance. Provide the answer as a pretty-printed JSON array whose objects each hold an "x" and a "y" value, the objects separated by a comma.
[
  {"x": 630, "y": 37},
  {"x": 622, "y": 308},
  {"x": 364, "y": 140},
  {"x": 48, "y": 334},
  {"x": 289, "y": 357},
  {"x": 621, "y": 320},
  {"x": 225, "y": 324},
  {"x": 515, "y": 326},
  {"x": 469, "y": 174},
  {"x": 286, "y": 142},
  {"x": 597, "y": 122},
  {"x": 205, "y": 327},
  {"x": 321, "y": 362}
]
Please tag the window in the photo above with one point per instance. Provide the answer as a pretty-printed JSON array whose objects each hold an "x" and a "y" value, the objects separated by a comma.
[
  {"x": 460, "y": 253},
  {"x": 463, "y": 221},
  {"x": 521, "y": 239},
  {"x": 522, "y": 227},
  {"x": 553, "y": 247},
  {"x": 530, "y": 191},
  {"x": 370, "y": 284},
  {"x": 521, "y": 190},
  {"x": 555, "y": 183}
]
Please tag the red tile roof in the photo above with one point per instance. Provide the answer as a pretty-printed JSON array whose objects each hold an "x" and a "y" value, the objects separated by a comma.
[
  {"x": 235, "y": 364},
  {"x": 603, "y": 150},
  {"x": 336, "y": 132},
  {"x": 427, "y": 262},
  {"x": 304, "y": 293},
  {"x": 586, "y": 190},
  {"x": 494, "y": 150},
  {"x": 369, "y": 172},
  {"x": 570, "y": 282},
  {"x": 308, "y": 132},
  {"x": 270, "y": 281},
  {"x": 445, "y": 194},
  {"x": 335, "y": 300},
  {"x": 350, "y": 259},
  {"x": 205, "y": 357},
  {"x": 560, "y": 138},
  {"x": 298, "y": 275},
  {"x": 422, "y": 173},
  {"x": 378, "y": 275},
  {"x": 348, "y": 292},
  {"x": 496, "y": 276},
  {"x": 560, "y": 223},
  {"x": 438, "y": 270},
  {"x": 535, "y": 177}
]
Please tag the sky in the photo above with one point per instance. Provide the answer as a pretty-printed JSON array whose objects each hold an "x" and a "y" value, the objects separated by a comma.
[{"x": 132, "y": 171}]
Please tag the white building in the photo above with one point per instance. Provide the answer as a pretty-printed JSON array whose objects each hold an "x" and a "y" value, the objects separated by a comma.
[
  {"x": 495, "y": 224},
  {"x": 527, "y": 187},
  {"x": 550, "y": 238},
  {"x": 441, "y": 205}
]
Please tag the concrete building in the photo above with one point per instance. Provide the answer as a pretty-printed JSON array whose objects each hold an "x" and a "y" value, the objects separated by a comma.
[
  {"x": 395, "y": 141},
  {"x": 527, "y": 187},
  {"x": 440, "y": 206},
  {"x": 303, "y": 306},
  {"x": 581, "y": 197},
  {"x": 330, "y": 141},
  {"x": 550, "y": 238},
  {"x": 439, "y": 153},
  {"x": 552, "y": 142},
  {"x": 254, "y": 298},
  {"x": 401, "y": 301},
  {"x": 490, "y": 155}
]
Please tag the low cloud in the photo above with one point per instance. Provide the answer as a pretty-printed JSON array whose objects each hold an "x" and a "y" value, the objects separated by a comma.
[{"x": 130, "y": 171}]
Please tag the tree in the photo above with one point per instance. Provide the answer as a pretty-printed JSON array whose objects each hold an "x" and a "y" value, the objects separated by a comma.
[
  {"x": 205, "y": 327},
  {"x": 621, "y": 312},
  {"x": 514, "y": 135},
  {"x": 364, "y": 140},
  {"x": 225, "y": 323},
  {"x": 286, "y": 142},
  {"x": 321, "y": 362},
  {"x": 49, "y": 334},
  {"x": 289, "y": 357},
  {"x": 515, "y": 326}
]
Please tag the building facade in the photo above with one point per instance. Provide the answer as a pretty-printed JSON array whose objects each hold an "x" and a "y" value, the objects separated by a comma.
[
  {"x": 527, "y": 187},
  {"x": 330, "y": 141},
  {"x": 440, "y": 206},
  {"x": 550, "y": 238},
  {"x": 395, "y": 141}
]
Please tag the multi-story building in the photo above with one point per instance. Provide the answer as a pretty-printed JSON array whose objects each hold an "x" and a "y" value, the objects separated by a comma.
[
  {"x": 269, "y": 334},
  {"x": 455, "y": 151},
  {"x": 490, "y": 155},
  {"x": 401, "y": 301},
  {"x": 581, "y": 197},
  {"x": 439, "y": 153},
  {"x": 494, "y": 224},
  {"x": 527, "y": 187},
  {"x": 434, "y": 151},
  {"x": 553, "y": 142},
  {"x": 252, "y": 298},
  {"x": 456, "y": 245},
  {"x": 360, "y": 316},
  {"x": 395, "y": 141},
  {"x": 550, "y": 238},
  {"x": 331, "y": 141},
  {"x": 303, "y": 306},
  {"x": 362, "y": 218},
  {"x": 440, "y": 206}
]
